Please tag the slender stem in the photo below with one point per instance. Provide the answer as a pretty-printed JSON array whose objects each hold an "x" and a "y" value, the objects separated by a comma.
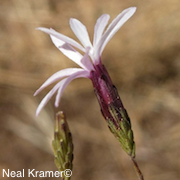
[{"x": 138, "y": 171}]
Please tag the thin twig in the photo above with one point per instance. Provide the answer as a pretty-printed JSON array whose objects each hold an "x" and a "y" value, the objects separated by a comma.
[{"x": 138, "y": 171}]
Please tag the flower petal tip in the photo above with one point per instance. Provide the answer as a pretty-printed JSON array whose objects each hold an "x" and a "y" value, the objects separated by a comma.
[
  {"x": 37, "y": 113},
  {"x": 35, "y": 93},
  {"x": 43, "y": 29},
  {"x": 56, "y": 105},
  {"x": 72, "y": 19},
  {"x": 38, "y": 28},
  {"x": 133, "y": 9}
]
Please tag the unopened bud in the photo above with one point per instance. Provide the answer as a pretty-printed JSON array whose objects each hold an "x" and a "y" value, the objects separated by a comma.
[{"x": 62, "y": 144}]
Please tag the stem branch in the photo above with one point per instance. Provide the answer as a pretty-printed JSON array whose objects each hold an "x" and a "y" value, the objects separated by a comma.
[{"x": 138, "y": 171}]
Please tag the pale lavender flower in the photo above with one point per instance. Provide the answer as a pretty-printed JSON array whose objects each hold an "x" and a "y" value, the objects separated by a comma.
[{"x": 90, "y": 63}]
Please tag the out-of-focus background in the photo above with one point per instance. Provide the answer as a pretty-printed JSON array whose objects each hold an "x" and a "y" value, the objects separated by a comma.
[{"x": 143, "y": 60}]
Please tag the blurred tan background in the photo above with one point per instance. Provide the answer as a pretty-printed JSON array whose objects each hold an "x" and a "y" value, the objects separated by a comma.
[{"x": 143, "y": 60}]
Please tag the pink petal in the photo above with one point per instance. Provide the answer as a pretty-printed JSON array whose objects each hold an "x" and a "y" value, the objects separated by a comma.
[
  {"x": 47, "y": 98},
  {"x": 99, "y": 27},
  {"x": 62, "y": 37},
  {"x": 61, "y": 86},
  {"x": 112, "y": 29},
  {"x": 86, "y": 60},
  {"x": 57, "y": 76},
  {"x": 71, "y": 53},
  {"x": 66, "y": 81},
  {"x": 67, "y": 50},
  {"x": 81, "y": 32}
]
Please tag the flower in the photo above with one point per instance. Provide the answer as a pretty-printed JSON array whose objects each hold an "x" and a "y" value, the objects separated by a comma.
[{"x": 90, "y": 63}]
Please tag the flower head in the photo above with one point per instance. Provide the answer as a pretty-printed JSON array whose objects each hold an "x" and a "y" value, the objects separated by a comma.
[{"x": 92, "y": 53}]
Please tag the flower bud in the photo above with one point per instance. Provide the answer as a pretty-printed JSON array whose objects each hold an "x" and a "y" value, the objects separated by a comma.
[{"x": 62, "y": 144}]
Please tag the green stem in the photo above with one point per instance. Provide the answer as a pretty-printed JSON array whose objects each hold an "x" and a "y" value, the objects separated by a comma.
[{"x": 138, "y": 171}]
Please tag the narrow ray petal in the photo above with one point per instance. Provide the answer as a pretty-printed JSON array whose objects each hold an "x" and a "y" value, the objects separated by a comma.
[
  {"x": 67, "y": 50},
  {"x": 86, "y": 60},
  {"x": 66, "y": 81},
  {"x": 81, "y": 32},
  {"x": 71, "y": 53},
  {"x": 113, "y": 28},
  {"x": 47, "y": 98},
  {"x": 57, "y": 76},
  {"x": 62, "y": 37},
  {"x": 99, "y": 28}
]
